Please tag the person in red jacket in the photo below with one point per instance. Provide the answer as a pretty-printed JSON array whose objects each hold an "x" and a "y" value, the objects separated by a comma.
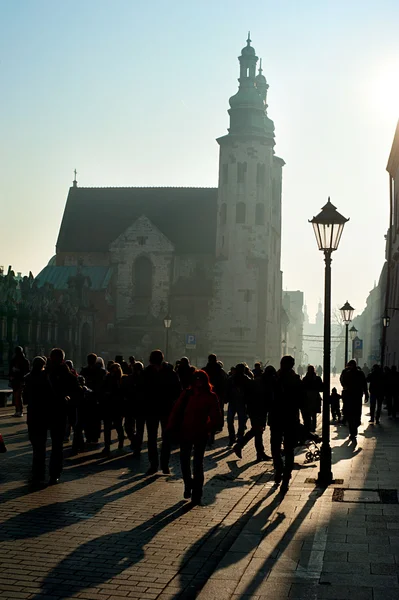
[{"x": 195, "y": 415}]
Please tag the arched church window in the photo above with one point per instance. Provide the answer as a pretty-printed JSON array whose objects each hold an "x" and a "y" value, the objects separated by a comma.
[
  {"x": 241, "y": 170},
  {"x": 260, "y": 214},
  {"x": 142, "y": 284},
  {"x": 260, "y": 174},
  {"x": 223, "y": 213},
  {"x": 240, "y": 212}
]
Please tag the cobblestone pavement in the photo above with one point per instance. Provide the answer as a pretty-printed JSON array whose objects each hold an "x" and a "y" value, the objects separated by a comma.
[{"x": 108, "y": 531}]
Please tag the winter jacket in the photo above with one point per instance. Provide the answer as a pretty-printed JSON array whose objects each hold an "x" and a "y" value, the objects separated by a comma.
[{"x": 195, "y": 415}]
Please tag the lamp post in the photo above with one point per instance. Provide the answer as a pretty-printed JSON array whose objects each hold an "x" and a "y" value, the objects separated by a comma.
[
  {"x": 347, "y": 314},
  {"x": 328, "y": 227},
  {"x": 353, "y": 333},
  {"x": 284, "y": 343},
  {"x": 167, "y": 323}
]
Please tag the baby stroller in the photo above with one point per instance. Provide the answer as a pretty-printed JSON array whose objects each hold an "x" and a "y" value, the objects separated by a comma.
[{"x": 311, "y": 441}]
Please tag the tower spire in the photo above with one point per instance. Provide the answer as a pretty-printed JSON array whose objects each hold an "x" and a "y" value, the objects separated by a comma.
[
  {"x": 249, "y": 38},
  {"x": 75, "y": 183}
]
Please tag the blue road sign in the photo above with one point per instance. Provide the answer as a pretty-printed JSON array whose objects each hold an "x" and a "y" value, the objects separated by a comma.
[
  {"x": 357, "y": 348},
  {"x": 191, "y": 341}
]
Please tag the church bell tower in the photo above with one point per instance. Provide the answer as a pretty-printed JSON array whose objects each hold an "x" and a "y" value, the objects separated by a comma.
[{"x": 248, "y": 239}]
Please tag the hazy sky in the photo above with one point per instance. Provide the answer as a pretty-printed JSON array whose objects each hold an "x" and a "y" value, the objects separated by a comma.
[{"x": 134, "y": 93}]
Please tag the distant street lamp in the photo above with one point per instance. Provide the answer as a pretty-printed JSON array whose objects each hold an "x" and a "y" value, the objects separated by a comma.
[
  {"x": 353, "y": 333},
  {"x": 347, "y": 313},
  {"x": 167, "y": 323},
  {"x": 328, "y": 227},
  {"x": 386, "y": 321}
]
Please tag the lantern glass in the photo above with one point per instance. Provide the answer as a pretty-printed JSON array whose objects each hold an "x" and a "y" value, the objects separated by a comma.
[
  {"x": 347, "y": 313},
  {"x": 167, "y": 322},
  {"x": 386, "y": 321},
  {"x": 328, "y": 227}
]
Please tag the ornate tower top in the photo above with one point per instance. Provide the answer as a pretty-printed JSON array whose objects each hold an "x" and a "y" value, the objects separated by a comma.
[{"x": 248, "y": 106}]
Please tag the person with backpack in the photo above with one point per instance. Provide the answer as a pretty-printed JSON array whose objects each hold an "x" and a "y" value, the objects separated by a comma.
[
  {"x": 113, "y": 406},
  {"x": 376, "y": 382},
  {"x": 160, "y": 390},
  {"x": 194, "y": 416},
  {"x": 284, "y": 420},
  {"x": 311, "y": 407},
  {"x": 354, "y": 386},
  {"x": 239, "y": 393},
  {"x": 257, "y": 407}
]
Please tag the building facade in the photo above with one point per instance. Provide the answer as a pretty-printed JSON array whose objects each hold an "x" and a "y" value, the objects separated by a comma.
[
  {"x": 390, "y": 352},
  {"x": 38, "y": 316},
  {"x": 210, "y": 257}
]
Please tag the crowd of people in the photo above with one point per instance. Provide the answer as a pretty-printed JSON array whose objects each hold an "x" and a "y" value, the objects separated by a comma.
[{"x": 187, "y": 404}]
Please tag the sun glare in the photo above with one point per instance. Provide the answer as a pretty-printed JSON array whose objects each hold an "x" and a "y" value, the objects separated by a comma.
[{"x": 385, "y": 97}]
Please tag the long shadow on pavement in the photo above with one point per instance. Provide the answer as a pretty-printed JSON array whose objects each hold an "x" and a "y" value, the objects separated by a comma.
[
  {"x": 53, "y": 517},
  {"x": 105, "y": 557}
]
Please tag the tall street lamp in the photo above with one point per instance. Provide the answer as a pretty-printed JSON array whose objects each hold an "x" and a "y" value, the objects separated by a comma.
[
  {"x": 167, "y": 323},
  {"x": 353, "y": 333},
  {"x": 347, "y": 313},
  {"x": 328, "y": 227}
]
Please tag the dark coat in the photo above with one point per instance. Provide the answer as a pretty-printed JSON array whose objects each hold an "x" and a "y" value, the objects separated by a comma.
[
  {"x": 287, "y": 398},
  {"x": 376, "y": 382},
  {"x": 134, "y": 395},
  {"x": 19, "y": 367},
  {"x": 354, "y": 385},
  {"x": 94, "y": 377},
  {"x": 240, "y": 389},
  {"x": 161, "y": 388},
  {"x": 185, "y": 375},
  {"x": 218, "y": 378},
  {"x": 36, "y": 396},
  {"x": 113, "y": 396},
  {"x": 312, "y": 385}
]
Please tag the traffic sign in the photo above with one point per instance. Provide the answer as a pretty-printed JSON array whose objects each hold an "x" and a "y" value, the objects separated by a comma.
[{"x": 191, "y": 341}]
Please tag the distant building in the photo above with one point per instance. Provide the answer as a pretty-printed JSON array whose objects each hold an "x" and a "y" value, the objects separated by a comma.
[
  {"x": 293, "y": 330},
  {"x": 391, "y": 299},
  {"x": 369, "y": 324},
  {"x": 209, "y": 257},
  {"x": 39, "y": 317},
  {"x": 313, "y": 337}
]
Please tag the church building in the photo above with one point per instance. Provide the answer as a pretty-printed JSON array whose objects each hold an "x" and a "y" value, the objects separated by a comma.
[{"x": 208, "y": 258}]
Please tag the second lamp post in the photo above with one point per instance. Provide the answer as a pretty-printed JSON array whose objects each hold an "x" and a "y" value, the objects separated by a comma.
[
  {"x": 347, "y": 313},
  {"x": 167, "y": 322}
]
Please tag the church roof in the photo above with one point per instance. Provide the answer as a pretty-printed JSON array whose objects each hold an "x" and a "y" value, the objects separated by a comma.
[
  {"x": 60, "y": 275},
  {"x": 95, "y": 217}
]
